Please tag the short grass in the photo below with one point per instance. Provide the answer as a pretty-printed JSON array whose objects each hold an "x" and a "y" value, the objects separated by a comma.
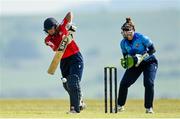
[{"x": 164, "y": 108}]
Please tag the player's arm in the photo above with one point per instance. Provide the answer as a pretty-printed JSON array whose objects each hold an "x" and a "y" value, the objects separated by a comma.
[
  {"x": 140, "y": 57},
  {"x": 67, "y": 20},
  {"x": 66, "y": 24},
  {"x": 149, "y": 45},
  {"x": 69, "y": 17},
  {"x": 124, "y": 61},
  {"x": 151, "y": 49},
  {"x": 71, "y": 27}
]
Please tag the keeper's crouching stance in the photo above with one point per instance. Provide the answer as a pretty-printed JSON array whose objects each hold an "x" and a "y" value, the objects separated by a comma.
[
  {"x": 71, "y": 64},
  {"x": 138, "y": 58}
]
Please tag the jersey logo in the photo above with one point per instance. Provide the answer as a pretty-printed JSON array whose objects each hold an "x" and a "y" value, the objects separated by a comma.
[
  {"x": 137, "y": 45},
  {"x": 50, "y": 43},
  {"x": 60, "y": 33}
]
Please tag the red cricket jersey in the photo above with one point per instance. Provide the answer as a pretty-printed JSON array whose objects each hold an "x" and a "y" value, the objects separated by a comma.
[{"x": 55, "y": 40}]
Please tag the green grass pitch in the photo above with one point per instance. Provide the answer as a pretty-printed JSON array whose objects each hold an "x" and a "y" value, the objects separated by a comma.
[{"x": 164, "y": 108}]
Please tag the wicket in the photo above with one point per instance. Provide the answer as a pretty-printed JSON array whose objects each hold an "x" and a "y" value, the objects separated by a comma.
[{"x": 108, "y": 72}]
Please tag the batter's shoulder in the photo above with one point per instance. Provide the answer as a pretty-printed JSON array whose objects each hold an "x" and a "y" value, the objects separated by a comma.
[{"x": 48, "y": 38}]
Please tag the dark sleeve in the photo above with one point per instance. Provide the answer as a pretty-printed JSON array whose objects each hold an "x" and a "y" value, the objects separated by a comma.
[
  {"x": 151, "y": 49},
  {"x": 125, "y": 54}
]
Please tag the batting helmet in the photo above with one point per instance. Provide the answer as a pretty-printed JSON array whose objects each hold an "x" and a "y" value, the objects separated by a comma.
[{"x": 49, "y": 23}]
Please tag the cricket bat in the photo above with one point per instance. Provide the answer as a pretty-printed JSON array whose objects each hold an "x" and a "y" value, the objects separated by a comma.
[{"x": 58, "y": 55}]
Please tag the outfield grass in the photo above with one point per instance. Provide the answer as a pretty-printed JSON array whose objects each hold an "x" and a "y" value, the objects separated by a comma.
[{"x": 163, "y": 108}]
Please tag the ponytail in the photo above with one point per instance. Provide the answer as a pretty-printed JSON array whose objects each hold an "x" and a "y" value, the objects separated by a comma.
[{"x": 128, "y": 25}]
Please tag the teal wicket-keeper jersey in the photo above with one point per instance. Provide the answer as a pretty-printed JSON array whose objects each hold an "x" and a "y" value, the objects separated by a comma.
[{"x": 138, "y": 45}]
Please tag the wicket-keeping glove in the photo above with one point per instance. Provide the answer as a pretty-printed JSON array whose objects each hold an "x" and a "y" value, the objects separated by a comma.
[
  {"x": 139, "y": 58},
  {"x": 127, "y": 62}
]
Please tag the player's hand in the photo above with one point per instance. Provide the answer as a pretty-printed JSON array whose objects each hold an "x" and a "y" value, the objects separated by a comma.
[
  {"x": 71, "y": 27},
  {"x": 139, "y": 58}
]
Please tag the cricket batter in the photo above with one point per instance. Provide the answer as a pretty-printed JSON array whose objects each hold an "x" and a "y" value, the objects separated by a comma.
[
  {"x": 138, "y": 57},
  {"x": 71, "y": 64}
]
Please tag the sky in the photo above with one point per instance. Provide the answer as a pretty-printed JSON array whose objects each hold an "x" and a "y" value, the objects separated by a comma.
[
  {"x": 40, "y": 6},
  {"x": 32, "y": 7}
]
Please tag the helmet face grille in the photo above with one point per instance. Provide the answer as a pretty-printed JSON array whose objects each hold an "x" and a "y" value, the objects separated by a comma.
[{"x": 49, "y": 23}]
